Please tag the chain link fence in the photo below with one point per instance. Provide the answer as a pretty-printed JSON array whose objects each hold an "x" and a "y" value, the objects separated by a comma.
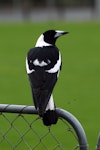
[{"x": 22, "y": 129}]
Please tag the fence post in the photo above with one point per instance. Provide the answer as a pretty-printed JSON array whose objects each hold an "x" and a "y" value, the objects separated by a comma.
[
  {"x": 22, "y": 109},
  {"x": 77, "y": 127}
]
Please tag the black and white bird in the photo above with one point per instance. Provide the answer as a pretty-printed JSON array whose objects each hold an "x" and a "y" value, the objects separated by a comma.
[{"x": 43, "y": 64}]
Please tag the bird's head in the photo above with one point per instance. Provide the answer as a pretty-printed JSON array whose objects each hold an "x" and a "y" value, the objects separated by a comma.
[{"x": 49, "y": 37}]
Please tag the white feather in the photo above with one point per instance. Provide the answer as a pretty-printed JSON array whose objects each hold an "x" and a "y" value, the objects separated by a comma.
[
  {"x": 50, "y": 105},
  {"x": 27, "y": 68},
  {"x": 41, "y": 64},
  {"x": 56, "y": 66},
  {"x": 40, "y": 42}
]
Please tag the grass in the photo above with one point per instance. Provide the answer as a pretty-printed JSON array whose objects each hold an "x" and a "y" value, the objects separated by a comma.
[{"x": 78, "y": 88}]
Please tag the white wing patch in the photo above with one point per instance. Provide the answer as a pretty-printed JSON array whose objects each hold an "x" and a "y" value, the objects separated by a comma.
[
  {"x": 27, "y": 68},
  {"x": 36, "y": 62},
  {"x": 56, "y": 66},
  {"x": 41, "y": 64}
]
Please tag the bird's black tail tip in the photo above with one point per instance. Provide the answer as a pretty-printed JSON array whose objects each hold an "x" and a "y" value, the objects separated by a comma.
[{"x": 50, "y": 117}]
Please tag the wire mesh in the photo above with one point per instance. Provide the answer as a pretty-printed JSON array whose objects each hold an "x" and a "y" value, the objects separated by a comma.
[{"x": 26, "y": 131}]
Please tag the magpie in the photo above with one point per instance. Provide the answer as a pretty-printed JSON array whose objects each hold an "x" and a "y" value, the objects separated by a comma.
[{"x": 43, "y": 64}]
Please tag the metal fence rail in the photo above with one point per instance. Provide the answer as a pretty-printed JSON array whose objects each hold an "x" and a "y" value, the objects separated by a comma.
[{"x": 21, "y": 129}]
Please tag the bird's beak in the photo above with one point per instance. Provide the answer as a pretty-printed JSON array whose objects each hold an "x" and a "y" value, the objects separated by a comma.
[
  {"x": 59, "y": 33},
  {"x": 65, "y": 33}
]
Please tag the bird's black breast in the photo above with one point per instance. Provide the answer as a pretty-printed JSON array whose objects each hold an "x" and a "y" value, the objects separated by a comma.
[{"x": 46, "y": 56}]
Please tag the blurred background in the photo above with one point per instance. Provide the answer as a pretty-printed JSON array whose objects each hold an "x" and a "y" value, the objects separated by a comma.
[
  {"x": 44, "y": 10},
  {"x": 78, "y": 87}
]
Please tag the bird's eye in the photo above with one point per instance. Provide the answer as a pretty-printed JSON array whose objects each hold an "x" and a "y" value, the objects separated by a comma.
[{"x": 48, "y": 61}]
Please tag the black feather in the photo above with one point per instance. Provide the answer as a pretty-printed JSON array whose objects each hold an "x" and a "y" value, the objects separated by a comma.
[
  {"x": 50, "y": 117},
  {"x": 50, "y": 53},
  {"x": 43, "y": 64},
  {"x": 42, "y": 84}
]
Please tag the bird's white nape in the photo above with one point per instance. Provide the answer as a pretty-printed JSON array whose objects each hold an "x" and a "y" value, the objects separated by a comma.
[
  {"x": 50, "y": 105},
  {"x": 40, "y": 42}
]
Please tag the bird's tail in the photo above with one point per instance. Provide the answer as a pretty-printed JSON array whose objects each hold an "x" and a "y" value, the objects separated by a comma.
[
  {"x": 45, "y": 106},
  {"x": 50, "y": 117}
]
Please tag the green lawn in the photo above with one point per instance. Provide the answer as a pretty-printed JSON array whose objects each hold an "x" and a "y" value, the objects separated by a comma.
[{"x": 78, "y": 88}]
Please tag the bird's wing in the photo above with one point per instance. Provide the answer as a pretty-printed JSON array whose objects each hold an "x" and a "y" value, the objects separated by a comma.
[
  {"x": 42, "y": 66},
  {"x": 42, "y": 85},
  {"x": 48, "y": 58}
]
